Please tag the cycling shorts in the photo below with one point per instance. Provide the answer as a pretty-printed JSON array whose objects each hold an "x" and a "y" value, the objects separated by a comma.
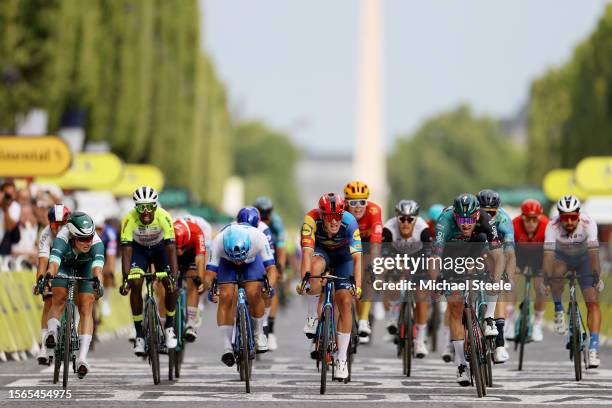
[
  {"x": 252, "y": 271},
  {"x": 143, "y": 256},
  {"x": 581, "y": 264},
  {"x": 82, "y": 271},
  {"x": 340, "y": 263}
]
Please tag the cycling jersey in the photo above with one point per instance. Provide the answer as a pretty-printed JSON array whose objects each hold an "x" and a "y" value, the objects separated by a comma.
[
  {"x": 196, "y": 245},
  {"x": 278, "y": 230},
  {"x": 203, "y": 224},
  {"x": 505, "y": 229},
  {"x": 448, "y": 230},
  {"x": 133, "y": 230},
  {"x": 347, "y": 238},
  {"x": 259, "y": 247},
  {"x": 109, "y": 240},
  {"x": 577, "y": 243},
  {"x": 520, "y": 235},
  {"x": 414, "y": 243},
  {"x": 45, "y": 242},
  {"x": 72, "y": 263},
  {"x": 370, "y": 225}
]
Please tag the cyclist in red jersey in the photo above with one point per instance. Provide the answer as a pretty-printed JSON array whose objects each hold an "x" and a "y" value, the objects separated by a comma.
[
  {"x": 369, "y": 218},
  {"x": 191, "y": 256},
  {"x": 529, "y": 229}
]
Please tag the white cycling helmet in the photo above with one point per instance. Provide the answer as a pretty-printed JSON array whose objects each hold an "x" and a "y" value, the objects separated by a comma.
[
  {"x": 145, "y": 195},
  {"x": 568, "y": 203}
]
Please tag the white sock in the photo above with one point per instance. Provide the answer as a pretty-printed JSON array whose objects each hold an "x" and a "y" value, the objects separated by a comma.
[
  {"x": 84, "y": 342},
  {"x": 52, "y": 326},
  {"x": 539, "y": 315},
  {"x": 227, "y": 336},
  {"x": 43, "y": 334},
  {"x": 459, "y": 352},
  {"x": 312, "y": 306},
  {"x": 259, "y": 323},
  {"x": 343, "y": 343},
  {"x": 491, "y": 303},
  {"x": 445, "y": 334},
  {"x": 421, "y": 332},
  {"x": 266, "y": 315},
  {"x": 192, "y": 314}
]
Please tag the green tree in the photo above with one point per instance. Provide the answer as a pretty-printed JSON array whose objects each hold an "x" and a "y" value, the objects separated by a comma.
[
  {"x": 451, "y": 153},
  {"x": 266, "y": 160}
]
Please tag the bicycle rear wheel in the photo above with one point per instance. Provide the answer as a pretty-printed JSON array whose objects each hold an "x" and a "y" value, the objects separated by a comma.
[
  {"x": 67, "y": 337},
  {"x": 488, "y": 369},
  {"x": 325, "y": 343},
  {"x": 152, "y": 340},
  {"x": 244, "y": 348},
  {"x": 434, "y": 324},
  {"x": 575, "y": 340},
  {"x": 474, "y": 355},
  {"x": 406, "y": 337}
]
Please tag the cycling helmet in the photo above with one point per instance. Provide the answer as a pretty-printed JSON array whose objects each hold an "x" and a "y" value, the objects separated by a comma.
[
  {"x": 356, "y": 190},
  {"x": 81, "y": 225},
  {"x": 568, "y": 203},
  {"x": 489, "y": 199},
  {"x": 182, "y": 233},
  {"x": 236, "y": 242},
  {"x": 250, "y": 215},
  {"x": 407, "y": 207},
  {"x": 434, "y": 211},
  {"x": 531, "y": 208},
  {"x": 466, "y": 205},
  {"x": 331, "y": 203},
  {"x": 145, "y": 195},
  {"x": 263, "y": 204},
  {"x": 58, "y": 213}
]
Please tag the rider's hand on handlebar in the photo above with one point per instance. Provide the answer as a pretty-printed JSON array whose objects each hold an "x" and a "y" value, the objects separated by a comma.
[
  {"x": 356, "y": 291},
  {"x": 124, "y": 288},
  {"x": 598, "y": 284},
  {"x": 198, "y": 284},
  {"x": 99, "y": 288}
]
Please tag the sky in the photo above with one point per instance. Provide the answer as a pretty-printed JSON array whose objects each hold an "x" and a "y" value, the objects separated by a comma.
[{"x": 293, "y": 64}]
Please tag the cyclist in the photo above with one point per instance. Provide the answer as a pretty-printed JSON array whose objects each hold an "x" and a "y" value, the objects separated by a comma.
[
  {"x": 108, "y": 235},
  {"x": 240, "y": 248},
  {"x": 274, "y": 221},
  {"x": 369, "y": 218},
  {"x": 490, "y": 202},
  {"x": 331, "y": 240},
  {"x": 433, "y": 213},
  {"x": 58, "y": 217},
  {"x": 147, "y": 238},
  {"x": 76, "y": 250},
  {"x": 464, "y": 222},
  {"x": 570, "y": 242},
  {"x": 191, "y": 257},
  {"x": 407, "y": 233},
  {"x": 529, "y": 228},
  {"x": 203, "y": 224}
]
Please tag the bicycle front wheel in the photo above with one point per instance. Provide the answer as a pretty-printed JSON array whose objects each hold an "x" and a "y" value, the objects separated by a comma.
[
  {"x": 475, "y": 364},
  {"x": 324, "y": 351},
  {"x": 406, "y": 338},
  {"x": 575, "y": 340},
  {"x": 244, "y": 340},
  {"x": 152, "y": 339},
  {"x": 67, "y": 336},
  {"x": 523, "y": 331}
]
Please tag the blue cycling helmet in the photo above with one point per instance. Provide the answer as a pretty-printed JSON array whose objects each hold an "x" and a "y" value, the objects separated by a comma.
[
  {"x": 434, "y": 211},
  {"x": 236, "y": 242},
  {"x": 250, "y": 215}
]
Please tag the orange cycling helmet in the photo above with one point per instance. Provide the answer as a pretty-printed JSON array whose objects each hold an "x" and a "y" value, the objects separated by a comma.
[
  {"x": 356, "y": 189},
  {"x": 531, "y": 208}
]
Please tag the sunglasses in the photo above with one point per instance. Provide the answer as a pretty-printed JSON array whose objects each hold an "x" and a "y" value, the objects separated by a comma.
[
  {"x": 467, "y": 220},
  {"x": 569, "y": 217},
  {"x": 141, "y": 208},
  {"x": 404, "y": 218},
  {"x": 357, "y": 203},
  {"x": 332, "y": 217},
  {"x": 530, "y": 219},
  {"x": 84, "y": 239}
]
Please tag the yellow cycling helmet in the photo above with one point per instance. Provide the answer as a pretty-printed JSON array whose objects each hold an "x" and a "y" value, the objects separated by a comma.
[{"x": 356, "y": 189}]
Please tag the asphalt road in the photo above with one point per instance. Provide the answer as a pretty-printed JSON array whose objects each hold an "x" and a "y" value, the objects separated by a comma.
[{"x": 288, "y": 377}]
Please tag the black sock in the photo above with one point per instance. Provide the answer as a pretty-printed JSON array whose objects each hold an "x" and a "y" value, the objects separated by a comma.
[
  {"x": 138, "y": 327},
  {"x": 271, "y": 324},
  {"x": 499, "y": 340}
]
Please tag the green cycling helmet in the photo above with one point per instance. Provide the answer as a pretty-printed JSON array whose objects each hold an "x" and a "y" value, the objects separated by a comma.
[
  {"x": 466, "y": 205},
  {"x": 81, "y": 225}
]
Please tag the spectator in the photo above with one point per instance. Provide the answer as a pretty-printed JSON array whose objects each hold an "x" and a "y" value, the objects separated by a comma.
[
  {"x": 24, "y": 197},
  {"x": 28, "y": 230},
  {"x": 10, "y": 210}
]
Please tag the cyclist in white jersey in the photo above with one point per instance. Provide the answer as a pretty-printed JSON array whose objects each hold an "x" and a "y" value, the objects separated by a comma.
[{"x": 571, "y": 243}]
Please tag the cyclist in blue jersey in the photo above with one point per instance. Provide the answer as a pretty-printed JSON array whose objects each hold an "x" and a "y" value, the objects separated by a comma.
[{"x": 330, "y": 239}]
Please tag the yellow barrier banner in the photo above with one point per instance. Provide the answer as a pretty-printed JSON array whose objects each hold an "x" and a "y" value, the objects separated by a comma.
[
  {"x": 89, "y": 171},
  {"x": 7, "y": 339},
  {"x": 136, "y": 175},
  {"x": 18, "y": 326},
  {"x": 560, "y": 182},
  {"x": 33, "y": 156},
  {"x": 595, "y": 175}
]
